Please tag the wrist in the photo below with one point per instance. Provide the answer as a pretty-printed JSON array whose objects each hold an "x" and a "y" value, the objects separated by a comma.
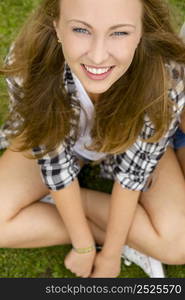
[
  {"x": 85, "y": 243},
  {"x": 82, "y": 236},
  {"x": 82, "y": 239},
  {"x": 84, "y": 250},
  {"x": 111, "y": 252}
]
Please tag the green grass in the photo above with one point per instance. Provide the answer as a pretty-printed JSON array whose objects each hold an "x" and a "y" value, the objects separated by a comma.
[
  {"x": 48, "y": 262},
  {"x": 178, "y": 11}
]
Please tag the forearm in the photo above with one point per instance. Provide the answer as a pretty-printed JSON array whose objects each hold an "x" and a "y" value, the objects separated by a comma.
[
  {"x": 122, "y": 208},
  {"x": 70, "y": 207}
]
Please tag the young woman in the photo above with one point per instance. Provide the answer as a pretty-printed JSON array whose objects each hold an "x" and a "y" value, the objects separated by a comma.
[{"x": 95, "y": 82}]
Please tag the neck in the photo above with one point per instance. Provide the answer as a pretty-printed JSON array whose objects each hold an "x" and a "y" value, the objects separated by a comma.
[{"x": 94, "y": 97}]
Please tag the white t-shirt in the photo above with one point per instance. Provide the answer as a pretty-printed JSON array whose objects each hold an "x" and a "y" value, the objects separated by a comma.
[{"x": 86, "y": 123}]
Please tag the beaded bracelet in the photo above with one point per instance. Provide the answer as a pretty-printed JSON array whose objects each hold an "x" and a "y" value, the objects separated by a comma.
[{"x": 84, "y": 250}]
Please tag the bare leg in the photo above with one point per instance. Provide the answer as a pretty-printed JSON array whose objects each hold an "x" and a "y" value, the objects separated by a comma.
[
  {"x": 165, "y": 205},
  {"x": 158, "y": 228},
  {"x": 149, "y": 232},
  {"x": 25, "y": 221},
  {"x": 39, "y": 225}
]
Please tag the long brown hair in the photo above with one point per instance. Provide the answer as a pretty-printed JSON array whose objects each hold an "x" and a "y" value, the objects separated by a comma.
[{"x": 45, "y": 108}]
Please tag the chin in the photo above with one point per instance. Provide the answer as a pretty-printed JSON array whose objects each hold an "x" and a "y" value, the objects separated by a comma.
[
  {"x": 98, "y": 90},
  {"x": 95, "y": 92}
]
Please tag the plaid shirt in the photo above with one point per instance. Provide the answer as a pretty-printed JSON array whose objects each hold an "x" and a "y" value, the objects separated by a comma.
[{"x": 133, "y": 168}]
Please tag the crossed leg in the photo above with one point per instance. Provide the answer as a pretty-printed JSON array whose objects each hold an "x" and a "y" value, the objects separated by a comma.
[
  {"x": 25, "y": 222},
  {"x": 164, "y": 205},
  {"x": 157, "y": 229}
]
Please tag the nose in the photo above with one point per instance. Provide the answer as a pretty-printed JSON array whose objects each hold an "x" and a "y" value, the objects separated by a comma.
[{"x": 98, "y": 52}]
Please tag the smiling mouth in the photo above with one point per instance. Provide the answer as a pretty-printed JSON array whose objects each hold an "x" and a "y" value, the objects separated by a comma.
[{"x": 97, "y": 71}]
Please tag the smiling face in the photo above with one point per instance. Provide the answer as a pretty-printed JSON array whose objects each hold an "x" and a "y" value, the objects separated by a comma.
[{"x": 99, "y": 39}]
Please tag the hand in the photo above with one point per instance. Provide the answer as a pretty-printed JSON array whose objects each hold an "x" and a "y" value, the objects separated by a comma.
[
  {"x": 80, "y": 264},
  {"x": 105, "y": 267}
]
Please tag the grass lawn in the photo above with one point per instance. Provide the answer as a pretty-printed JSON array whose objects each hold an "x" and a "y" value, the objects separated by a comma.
[{"x": 48, "y": 262}]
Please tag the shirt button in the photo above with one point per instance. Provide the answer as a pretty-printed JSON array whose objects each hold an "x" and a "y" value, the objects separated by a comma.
[{"x": 143, "y": 156}]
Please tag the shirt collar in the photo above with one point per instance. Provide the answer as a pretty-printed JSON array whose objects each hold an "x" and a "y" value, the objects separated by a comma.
[{"x": 74, "y": 86}]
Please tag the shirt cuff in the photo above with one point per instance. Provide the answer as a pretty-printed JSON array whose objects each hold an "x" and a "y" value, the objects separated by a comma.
[
  {"x": 131, "y": 181},
  {"x": 57, "y": 179}
]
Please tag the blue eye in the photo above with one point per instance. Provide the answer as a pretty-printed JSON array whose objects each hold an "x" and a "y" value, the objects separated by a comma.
[
  {"x": 120, "y": 33},
  {"x": 80, "y": 30}
]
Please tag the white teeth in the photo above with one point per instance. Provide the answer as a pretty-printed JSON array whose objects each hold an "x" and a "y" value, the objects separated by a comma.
[{"x": 97, "y": 71}]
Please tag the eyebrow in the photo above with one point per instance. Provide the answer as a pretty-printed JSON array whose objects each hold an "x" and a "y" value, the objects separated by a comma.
[{"x": 113, "y": 27}]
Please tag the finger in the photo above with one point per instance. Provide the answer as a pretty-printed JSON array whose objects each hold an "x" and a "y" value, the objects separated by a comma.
[{"x": 84, "y": 276}]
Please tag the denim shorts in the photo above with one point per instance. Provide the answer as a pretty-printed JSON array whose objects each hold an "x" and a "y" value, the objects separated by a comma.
[{"x": 178, "y": 140}]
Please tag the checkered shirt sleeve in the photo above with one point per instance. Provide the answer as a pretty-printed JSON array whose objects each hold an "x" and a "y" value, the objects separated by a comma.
[{"x": 58, "y": 169}]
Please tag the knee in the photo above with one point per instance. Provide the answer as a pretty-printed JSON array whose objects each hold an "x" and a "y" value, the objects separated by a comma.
[
  {"x": 174, "y": 252},
  {"x": 172, "y": 240},
  {"x": 8, "y": 211},
  {"x": 7, "y": 215}
]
